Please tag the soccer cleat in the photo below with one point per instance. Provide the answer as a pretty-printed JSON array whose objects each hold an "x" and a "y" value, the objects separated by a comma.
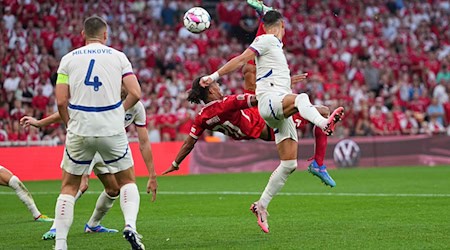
[
  {"x": 133, "y": 237},
  {"x": 98, "y": 229},
  {"x": 50, "y": 235},
  {"x": 335, "y": 117},
  {"x": 259, "y": 6},
  {"x": 43, "y": 218},
  {"x": 261, "y": 215},
  {"x": 321, "y": 172}
]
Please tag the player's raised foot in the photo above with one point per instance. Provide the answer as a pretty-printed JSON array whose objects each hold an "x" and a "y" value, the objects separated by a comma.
[
  {"x": 335, "y": 117},
  {"x": 50, "y": 235},
  {"x": 259, "y": 6},
  {"x": 134, "y": 238},
  {"x": 321, "y": 172},
  {"x": 261, "y": 215},
  {"x": 99, "y": 229},
  {"x": 43, "y": 218}
]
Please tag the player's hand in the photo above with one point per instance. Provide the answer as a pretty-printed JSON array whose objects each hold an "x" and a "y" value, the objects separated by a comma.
[
  {"x": 206, "y": 81},
  {"x": 26, "y": 121},
  {"x": 171, "y": 169},
  {"x": 298, "y": 78},
  {"x": 152, "y": 186}
]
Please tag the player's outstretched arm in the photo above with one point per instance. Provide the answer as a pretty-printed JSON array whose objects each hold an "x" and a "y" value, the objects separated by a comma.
[
  {"x": 27, "y": 121},
  {"x": 146, "y": 152},
  {"x": 229, "y": 67},
  {"x": 131, "y": 85},
  {"x": 187, "y": 147}
]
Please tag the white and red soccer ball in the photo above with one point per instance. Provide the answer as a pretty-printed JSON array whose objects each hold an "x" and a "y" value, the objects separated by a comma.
[{"x": 197, "y": 20}]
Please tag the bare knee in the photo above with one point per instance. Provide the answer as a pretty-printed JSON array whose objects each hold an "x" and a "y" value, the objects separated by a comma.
[
  {"x": 323, "y": 110},
  {"x": 5, "y": 176},
  {"x": 112, "y": 192}
]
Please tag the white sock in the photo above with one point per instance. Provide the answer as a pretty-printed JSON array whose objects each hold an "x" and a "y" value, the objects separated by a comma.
[
  {"x": 24, "y": 196},
  {"x": 129, "y": 202},
  {"x": 76, "y": 198},
  {"x": 104, "y": 203},
  {"x": 277, "y": 181},
  {"x": 308, "y": 111},
  {"x": 63, "y": 219},
  {"x": 79, "y": 194}
]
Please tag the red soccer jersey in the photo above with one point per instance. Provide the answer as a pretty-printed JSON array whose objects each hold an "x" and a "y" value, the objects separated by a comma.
[
  {"x": 168, "y": 119},
  {"x": 232, "y": 116}
]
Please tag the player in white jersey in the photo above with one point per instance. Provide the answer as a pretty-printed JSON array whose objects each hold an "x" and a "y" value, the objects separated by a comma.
[
  {"x": 276, "y": 104},
  {"x": 105, "y": 201},
  {"x": 88, "y": 97},
  {"x": 10, "y": 180}
]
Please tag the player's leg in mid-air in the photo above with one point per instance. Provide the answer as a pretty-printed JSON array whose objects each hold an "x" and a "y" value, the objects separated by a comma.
[
  {"x": 259, "y": 6},
  {"x": 10, "y": 180},
  {"x": 317, "y": 167}
]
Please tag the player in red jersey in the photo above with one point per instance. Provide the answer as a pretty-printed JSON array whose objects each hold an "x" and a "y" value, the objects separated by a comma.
[{"x": 237, "y": 116}]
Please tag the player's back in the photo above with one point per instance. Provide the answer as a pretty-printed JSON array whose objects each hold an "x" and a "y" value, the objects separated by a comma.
[
  {"x": 231, "y": 116},
  {"x": 272, "y": 70},
  {"x": 95, "y": 74}
]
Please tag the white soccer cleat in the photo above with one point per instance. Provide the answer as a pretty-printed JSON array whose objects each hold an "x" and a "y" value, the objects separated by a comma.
[
  {"x": 261, "y": 215},
  {"x": 134, "y": 238}
]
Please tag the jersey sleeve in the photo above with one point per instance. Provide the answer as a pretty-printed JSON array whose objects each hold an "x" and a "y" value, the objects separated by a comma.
[
  {"x": 261, "y": 44},
  {"x": 235, "y": 103},
  {"x": 140, "y": 118},
  {"x": 63, "y": 72},
  {"x": 196, "y": 129},
  {"x": 127, "y": 69}
]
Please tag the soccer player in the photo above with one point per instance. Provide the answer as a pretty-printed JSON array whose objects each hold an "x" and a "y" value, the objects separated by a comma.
[
  {"x": 106, "y": 199},
  {"x": 10, "y": 180},
  {"x": 276, "y": 104},
  {"x": 87, "y": 92},
  {"x": 316, "y": 167},
  {"x": 237, "y": 116}
]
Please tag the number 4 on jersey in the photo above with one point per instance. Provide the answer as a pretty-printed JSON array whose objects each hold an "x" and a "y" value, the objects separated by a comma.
[{"x": 96, "y": 83}]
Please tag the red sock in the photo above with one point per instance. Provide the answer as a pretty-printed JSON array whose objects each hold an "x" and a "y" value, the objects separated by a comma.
[{"x": 320, "y": 146}]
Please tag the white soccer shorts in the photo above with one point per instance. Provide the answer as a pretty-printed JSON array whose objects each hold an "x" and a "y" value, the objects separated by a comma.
[
  {"x": 270, "y": 106},
  {"x": 80, "y": 151}
]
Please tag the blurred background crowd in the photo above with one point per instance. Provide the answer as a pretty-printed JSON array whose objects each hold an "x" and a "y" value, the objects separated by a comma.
[{"x": 386, "y": 61}]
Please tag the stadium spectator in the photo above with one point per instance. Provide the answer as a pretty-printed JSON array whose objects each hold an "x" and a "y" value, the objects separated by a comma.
[
  {"x": 363, "y": 125},
  {"x": 61, "y": 45},
  {"x": 399, "y": 51},
  {"x": 435, "y": 112},
  {"x": 40, "y": 101}
]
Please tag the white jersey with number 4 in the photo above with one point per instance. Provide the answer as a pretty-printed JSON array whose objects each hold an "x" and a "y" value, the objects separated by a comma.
[
  {"x": 272, "y": 70},
  {"x": 95, "y": 73}
]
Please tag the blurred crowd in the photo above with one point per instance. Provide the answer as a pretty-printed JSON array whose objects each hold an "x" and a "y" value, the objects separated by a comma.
[{"x": 386, "y": 61}]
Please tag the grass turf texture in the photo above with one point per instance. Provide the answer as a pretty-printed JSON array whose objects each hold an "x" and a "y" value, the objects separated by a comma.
[{"x": 308, "y": 216}]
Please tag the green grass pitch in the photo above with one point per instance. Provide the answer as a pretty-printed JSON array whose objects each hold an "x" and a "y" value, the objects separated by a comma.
[{"x": 374, "y": 208}]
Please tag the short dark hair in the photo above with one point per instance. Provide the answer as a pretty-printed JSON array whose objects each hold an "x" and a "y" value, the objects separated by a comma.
[
  {"x": 197, "y": 92},
  {"x": 272, "y": 17},
  {"x": 93, "y": 25}
]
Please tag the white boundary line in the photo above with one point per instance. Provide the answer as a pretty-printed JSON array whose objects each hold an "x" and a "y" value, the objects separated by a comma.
[{"x": 258, "y": 193}]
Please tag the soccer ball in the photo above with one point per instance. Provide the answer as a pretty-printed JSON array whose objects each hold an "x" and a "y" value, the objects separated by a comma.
[{"x": 196, "y": 20}]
